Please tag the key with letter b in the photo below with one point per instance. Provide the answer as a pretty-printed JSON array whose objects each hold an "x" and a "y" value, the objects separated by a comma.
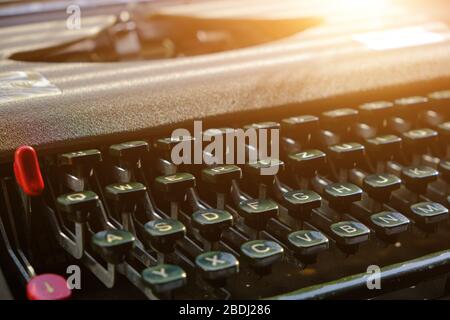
[{"x": 350, "y": 233}]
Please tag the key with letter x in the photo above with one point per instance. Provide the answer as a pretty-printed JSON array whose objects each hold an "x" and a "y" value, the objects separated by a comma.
[{"x": 216, "y": 266}]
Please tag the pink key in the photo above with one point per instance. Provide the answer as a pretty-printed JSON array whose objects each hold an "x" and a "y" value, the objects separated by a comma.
[{"x": 48, "y": 286}]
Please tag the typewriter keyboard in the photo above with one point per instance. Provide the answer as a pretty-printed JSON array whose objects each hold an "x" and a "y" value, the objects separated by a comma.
[{"x": 354, "y": 188}]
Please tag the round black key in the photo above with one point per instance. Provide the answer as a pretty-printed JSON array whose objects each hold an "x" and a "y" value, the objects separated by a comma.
[
  {"x": 389, "y": 223},
  {"x": 125, "y": 192},
  {"x": 113, "y": 245},
  {"x": 212, "y": 222},
  {"x": 264, "y": 170},
  {"x": 374, "y": 113},
  {"x": 443, "y": 95},
  {"x": 300, "y": 127},
  {"x": 383, "y": 147},
  {"x": 427, "y": 212},
  {"x": 175, "y": 186},
  {"x": 346, "y": 154},
  {"x": 300, "y": 203},
  {"x": 418, "y": 140},
  {"x": 163, "y": 234},
  {"x": 165, "y": 145},
  {"x": 444, "y": 136},
  {"x": 217, "y": 144},
  {"x": 409, "y": 107},
  {"x": 271, "y": 130},
  {"x": 130, "y": 151},
  {"x": 213, "y": 133},
  {"x": 263, "y": 125},
  {"x": 83, "y": 157},
  {"x": 164, "y": 278},
  {"x": 444, "y": 129},
  {"x": 339, "y": 120},
  {"x": 256, "y": 212},
  {"x": 431, "y": 118},
  {"x": 221, "y": 177},
  {"x": 307, "y": 163},
  {"x": 349, "y": 233},
  {"x": 307, "y": 242},
  {"x": 341, "y": 195},
  {"x": 217, "y": 265},
  {"x": 439, "y": 103},
  {"x": 78, "y": 205},
  {"x": 417, "y": 179},
  {"x": 261, "y": 253},
  {"x": 380, "y": 186},
  {"x": 444, "y": 169}
]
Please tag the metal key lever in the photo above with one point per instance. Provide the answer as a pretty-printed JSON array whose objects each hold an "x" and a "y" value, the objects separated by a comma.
[
  {"x": 17, "y": 256},
  {"x": 74, "y": 248},
  {"x": 136, "y": 279},
  {"x": 78, "y": 167},
  {"x": 128, "y": 157},
  {"x": 108, "y": 275},
  {"x": 297, "y": 205},
  {"x": 27, "y": 273},
  {"x": 220, "y": 179},
  {"x": 121, "y": 174},
  {"x": 125, "y": 198},
  {"x": 252, "y": 205},
  {"x": 208, "y": 224},
  {"x": 14, "y": 247}
]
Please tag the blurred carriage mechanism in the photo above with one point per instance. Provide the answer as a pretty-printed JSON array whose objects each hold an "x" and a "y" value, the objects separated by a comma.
[{"x": 134, "y": 35}]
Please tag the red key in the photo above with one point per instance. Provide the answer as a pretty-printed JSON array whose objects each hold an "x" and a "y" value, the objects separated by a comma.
[
  {"x": 27, "y": 171},
  {"x": 48, "y": 286}
]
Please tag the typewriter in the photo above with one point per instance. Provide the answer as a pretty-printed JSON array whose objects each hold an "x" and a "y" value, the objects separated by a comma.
[{"x": 351, "y": 98}]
